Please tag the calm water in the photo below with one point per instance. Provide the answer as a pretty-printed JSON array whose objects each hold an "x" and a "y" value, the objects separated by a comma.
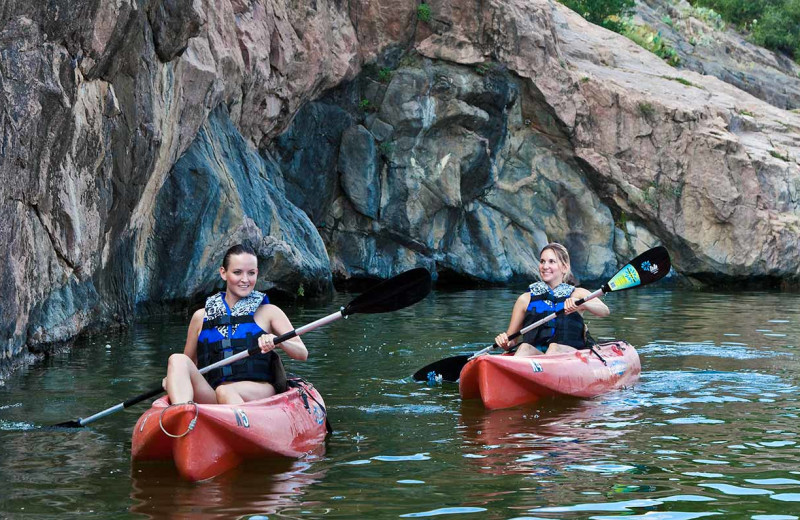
[{"x": 711, "y": 428}]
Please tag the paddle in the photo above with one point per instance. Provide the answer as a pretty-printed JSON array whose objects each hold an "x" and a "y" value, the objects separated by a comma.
[
  {"x": 393, "y": 294},
  {"x": 650, "y": 266}
]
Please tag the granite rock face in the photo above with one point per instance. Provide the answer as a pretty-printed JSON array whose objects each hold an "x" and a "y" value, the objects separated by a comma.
[
  {"x": 101, "y": 100},
  {"x": 141, "y": 137}
]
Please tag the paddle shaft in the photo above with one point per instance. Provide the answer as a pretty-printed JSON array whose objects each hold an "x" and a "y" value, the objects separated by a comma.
[
  {"x": 227, "y": 361},
  {"x": 524, "y": 330}
]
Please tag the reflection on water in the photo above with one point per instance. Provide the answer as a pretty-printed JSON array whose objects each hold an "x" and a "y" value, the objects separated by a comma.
[
  {"x": 710, "y": 429},
  {"x": 262, "y": 488}
]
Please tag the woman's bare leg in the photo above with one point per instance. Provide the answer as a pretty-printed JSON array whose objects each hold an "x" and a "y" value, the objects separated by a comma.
[
  {"x": 557, "y": 348},
  {"x": 184, "y": 382},
  {"x": 243, "y": 391},
  {"x": 526, "y": 349}
]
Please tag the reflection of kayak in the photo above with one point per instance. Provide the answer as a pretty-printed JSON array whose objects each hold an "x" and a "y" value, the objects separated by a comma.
[
  {"x": 504, "y": 381},
  {"x": 268, "y": 486},
  {"x": 289, "y": 424}
]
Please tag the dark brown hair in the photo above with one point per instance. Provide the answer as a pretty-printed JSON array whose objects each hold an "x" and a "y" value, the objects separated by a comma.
[{"x": 238, "y": 249}]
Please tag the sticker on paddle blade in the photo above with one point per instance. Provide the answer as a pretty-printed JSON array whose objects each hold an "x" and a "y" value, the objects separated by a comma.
[
  {"x": 650, "y": 267},
  {"x": 625, "y": 279}
]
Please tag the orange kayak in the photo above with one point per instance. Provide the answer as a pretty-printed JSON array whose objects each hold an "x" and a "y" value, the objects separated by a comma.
[
  {"x": 206, "y": 440},
  {"x": 506, "y": 380}
]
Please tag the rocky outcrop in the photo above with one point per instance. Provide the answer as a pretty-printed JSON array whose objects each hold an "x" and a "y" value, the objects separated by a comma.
[
  {"x": 130, "y": 129},
  {"x": 564, "y": 131},
  {"x": 474, "y": 178},
  {"x": 705, "y": 45}
]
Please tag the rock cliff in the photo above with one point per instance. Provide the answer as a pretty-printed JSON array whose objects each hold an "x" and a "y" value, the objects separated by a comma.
[{"x": 140, "y": 138}]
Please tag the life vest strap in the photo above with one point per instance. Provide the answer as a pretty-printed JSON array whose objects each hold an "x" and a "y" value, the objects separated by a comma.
[{"x": 225, "y": 319}]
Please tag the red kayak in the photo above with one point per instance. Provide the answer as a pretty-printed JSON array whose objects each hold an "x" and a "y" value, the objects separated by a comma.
[
  {"x": 506, "y": 380},
  {"x": 206, "y": 440}
]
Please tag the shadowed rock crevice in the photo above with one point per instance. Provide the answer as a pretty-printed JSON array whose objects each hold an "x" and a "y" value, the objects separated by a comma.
[{"x": 220, "y": 193}]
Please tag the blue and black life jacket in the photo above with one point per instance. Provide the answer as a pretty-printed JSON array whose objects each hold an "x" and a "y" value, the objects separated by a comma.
[
  {"x": 566, "y": 329},
  {"x": 229, "y": 331}
]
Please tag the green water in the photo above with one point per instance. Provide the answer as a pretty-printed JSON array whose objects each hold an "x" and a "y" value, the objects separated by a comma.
[{"x": 710, "y": 429}]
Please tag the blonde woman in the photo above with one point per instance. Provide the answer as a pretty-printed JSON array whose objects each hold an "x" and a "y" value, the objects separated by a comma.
[{"x": 554, "y": 292}]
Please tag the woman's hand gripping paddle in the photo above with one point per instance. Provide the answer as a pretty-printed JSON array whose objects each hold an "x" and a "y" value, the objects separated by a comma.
[
  {"x": 396, "y": 293},
  {"x": 650, "y": 266}
]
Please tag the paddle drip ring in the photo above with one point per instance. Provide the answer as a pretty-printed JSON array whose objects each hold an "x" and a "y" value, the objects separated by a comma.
[{"x": 192, "y": 423}]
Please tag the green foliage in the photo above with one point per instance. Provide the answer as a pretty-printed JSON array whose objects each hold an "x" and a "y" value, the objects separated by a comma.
[
  {"x": 622, "y": 222},
  {"x": 738, "y": 12},
  {"x": 779, "y": 28},
  {"x": 482, "y": 68},
  {"x": 709, "y": 16},
  {"x": 681, "y": 81},
  {"x": 774, "y": 24},
  {"x": 655, "y": 192},
  {"x": 606, "y": 13},
  {"x": 365, "y": 105},
  {"x": 776, "y": 154},
  {"x": 408, "y": 60},
  {"x": 384, "y": 75},
  {"x": 423, "y": 12},
  {"x": 301, "y": 291},
  {"x": 646, "y": 109},
  {"x": 386, "y": 148},
  {"x": 646, "y": 37}
]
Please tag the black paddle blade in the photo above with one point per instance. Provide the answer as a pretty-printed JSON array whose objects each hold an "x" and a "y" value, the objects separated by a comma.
[
  {"x": 449, "y": 369},
  {"x": 650, "y": 266},
  {"x": 397, "y": 292},
  {"x": 68, "y": 424}
]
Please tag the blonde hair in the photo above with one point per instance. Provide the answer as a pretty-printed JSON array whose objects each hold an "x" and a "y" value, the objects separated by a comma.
[{"x": 563, "y": 256}]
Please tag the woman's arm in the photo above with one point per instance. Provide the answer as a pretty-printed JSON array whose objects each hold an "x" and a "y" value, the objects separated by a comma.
[
  {"x": 515, "y": 323},
  {"x": 595, "y": 306},
  {"x": 195, "y": 326},
  {"x": 273, "y": 320}
]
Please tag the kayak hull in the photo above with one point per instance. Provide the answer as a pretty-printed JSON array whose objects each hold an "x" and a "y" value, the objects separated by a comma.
[
  {"x": 211, "y": 439},
  {"x": 506, "y": 380}
]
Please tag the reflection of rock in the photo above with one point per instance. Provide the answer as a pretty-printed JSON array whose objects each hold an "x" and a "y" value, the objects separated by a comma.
[{"x": 265, "y": 488}]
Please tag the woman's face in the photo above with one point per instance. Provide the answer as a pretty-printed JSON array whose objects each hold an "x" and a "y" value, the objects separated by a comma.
[
  {"x": 240, "y": 276},
  {"x": 551, "y": 269}
]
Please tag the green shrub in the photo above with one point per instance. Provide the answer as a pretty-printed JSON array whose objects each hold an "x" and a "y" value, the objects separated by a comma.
[
  {"x": 738, "y": 12},
  {"x": 709, "y": 16},
  {"x": 646, "y": 109},
  {"x": 423, "y": 12},
  {"x": 646, "y": 37},
  {"x": 773, "y": 24},
  {"x": 779, "y": 28},
  {"x": 606, "y": 13}
]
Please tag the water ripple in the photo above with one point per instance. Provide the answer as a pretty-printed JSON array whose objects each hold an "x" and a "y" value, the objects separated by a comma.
[{"x": 445, "y": 511}]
